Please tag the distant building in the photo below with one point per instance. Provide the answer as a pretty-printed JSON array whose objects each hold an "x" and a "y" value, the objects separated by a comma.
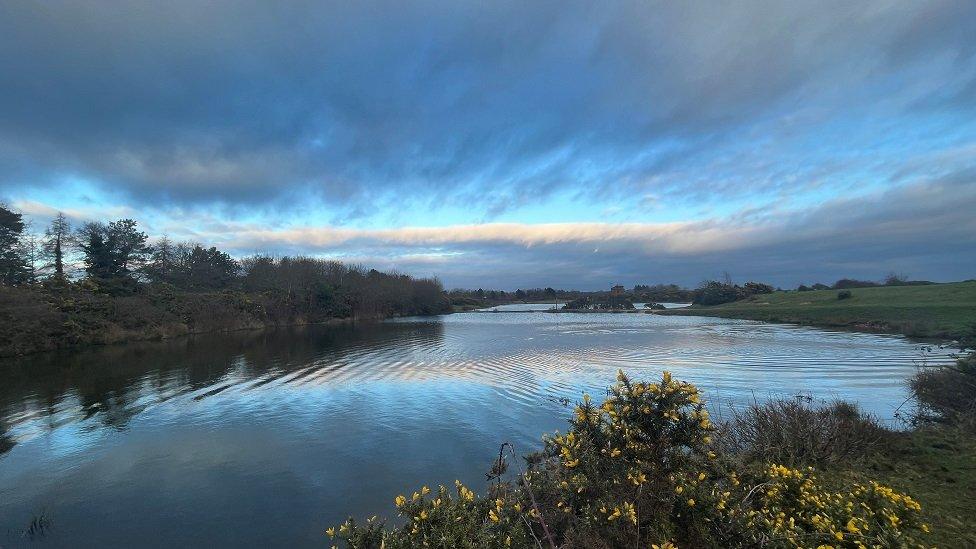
[{"x": 617, "y": 290}]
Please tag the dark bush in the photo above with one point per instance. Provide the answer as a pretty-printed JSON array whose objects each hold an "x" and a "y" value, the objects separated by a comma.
[
  {"x": 947, "y": 394},
  {"x": 803, "y": 288},
  {"x": 579, "y": 303},
  {"x": 844, "y": 294},
  {"x": 713, "y": 292},
  {"x": 756, "y": 288},
  {"x": 853, "y": 283},
  {"x": 797, "y": 433}
]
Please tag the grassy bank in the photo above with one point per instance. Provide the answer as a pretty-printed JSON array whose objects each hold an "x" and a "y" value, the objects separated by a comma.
[
  {"x": 937, "y": 466},
  {"x": 938, "y": 311}
]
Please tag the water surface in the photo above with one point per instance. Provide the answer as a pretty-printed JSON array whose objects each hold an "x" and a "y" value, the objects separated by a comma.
[{"x": 265, "y": 438}]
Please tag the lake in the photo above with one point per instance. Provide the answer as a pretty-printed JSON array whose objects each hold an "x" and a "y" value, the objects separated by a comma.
[{"x": 266, "y": 438}]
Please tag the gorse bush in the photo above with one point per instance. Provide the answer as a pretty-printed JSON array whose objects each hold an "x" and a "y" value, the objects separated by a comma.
[{"x": 641, "y": 469}]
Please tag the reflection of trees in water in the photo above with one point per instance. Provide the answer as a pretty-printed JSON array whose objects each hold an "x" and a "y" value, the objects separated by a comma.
[
  {"x": 113, "y": 384},
  {"x": 6, "y": 442}
]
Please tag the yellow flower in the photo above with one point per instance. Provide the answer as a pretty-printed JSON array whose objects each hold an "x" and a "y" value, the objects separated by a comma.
[
  {"x": 330, "y": 531},
  {"x": 852, "y": 526},
  {"x": 701, "y": 476},
  {"x": 425, "y": 490},
  {"x": 400, "y": 501},
  {"x": 493, "y": 516},
  {"x": 691, "y": 503},
  {"x": 678, "y": 490}
]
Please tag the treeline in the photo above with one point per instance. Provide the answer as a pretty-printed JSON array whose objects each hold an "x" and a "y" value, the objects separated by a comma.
[
  {"x": 105, "y": 281},
  {"x": 892, "y": 279},
  {"x": 641, "y": 293}
]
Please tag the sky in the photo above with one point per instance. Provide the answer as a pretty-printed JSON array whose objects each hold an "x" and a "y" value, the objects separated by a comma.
[{"x": 509, "y": 144}]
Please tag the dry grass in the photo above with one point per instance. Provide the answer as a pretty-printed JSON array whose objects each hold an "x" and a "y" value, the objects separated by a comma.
[
  {"x": 798, "y": 433},
  {"x": 947, "y": 394}
]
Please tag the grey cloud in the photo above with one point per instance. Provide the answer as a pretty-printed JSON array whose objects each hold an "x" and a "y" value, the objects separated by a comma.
[
  {"x": 925, "y": 229},
  {"x": 359, "y": 103}
]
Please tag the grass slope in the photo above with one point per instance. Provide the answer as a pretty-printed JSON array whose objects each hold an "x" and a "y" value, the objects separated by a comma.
[
  {"x": 938, "y": 468},
  {"x": 937, "y": 310}
]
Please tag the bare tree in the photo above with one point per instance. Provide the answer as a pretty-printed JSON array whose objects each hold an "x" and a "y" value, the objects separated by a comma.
[{"x": 57, "y": 238}]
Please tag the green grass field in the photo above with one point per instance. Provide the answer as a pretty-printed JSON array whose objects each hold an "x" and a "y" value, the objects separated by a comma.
[
  {"x": 937, "y": 467},
  {"x": 937, "y": 311}
]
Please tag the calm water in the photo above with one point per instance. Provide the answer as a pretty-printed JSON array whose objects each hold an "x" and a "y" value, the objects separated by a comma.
[{"x": 266, "y": 438}]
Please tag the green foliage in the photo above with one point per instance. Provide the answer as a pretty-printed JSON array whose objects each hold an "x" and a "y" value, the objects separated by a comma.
[
  {"x": 844, "y": 294},
  {"x": 114, "y": 253},
  {"x": 641, "y": 470}
]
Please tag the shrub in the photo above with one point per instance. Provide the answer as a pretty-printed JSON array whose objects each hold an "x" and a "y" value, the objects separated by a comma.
[
  {"x": 796, "y": 433},
  {"x": 844, "y": 294},
  {"x": 845, "y": 283},
  {"x": 641, "y": 469},
  {"x": 715, "y": 293},
  {"x": 947, "y": 394},
  {"x": 756, "y": 288}
]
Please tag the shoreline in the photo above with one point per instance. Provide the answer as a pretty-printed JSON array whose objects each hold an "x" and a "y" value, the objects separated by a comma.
[{"x": 160, "y": 336}]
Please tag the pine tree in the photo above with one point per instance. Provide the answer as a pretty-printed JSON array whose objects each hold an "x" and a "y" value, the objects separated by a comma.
[
  {"x": 13, "y": 266},
  {"x": 57, "y": 238}
]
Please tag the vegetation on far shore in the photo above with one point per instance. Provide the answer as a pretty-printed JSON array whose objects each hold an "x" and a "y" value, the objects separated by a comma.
[
  {"x": 648, "y": 468},
  {"x": 104, "y": 282},
  {"x": 946, "y": 311}
]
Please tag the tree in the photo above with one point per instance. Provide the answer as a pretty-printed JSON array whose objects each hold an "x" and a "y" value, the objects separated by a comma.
[
  {"x": 30, "y": 251},
  {"x": 551, "y": 294},
  {"x": 116, "y": 251},
  {"x": 57, "y": 237},
  {"x": 131, "y": 253},
  {"x": 13, "y": 267},
  {"x": 163, "y": 262},
  {"x": 210, "y": 268}
]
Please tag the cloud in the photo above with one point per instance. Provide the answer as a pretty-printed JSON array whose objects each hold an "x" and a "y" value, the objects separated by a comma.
[
  {"x": 924, "y": 228},
  {"x": 362, "y": 107}
]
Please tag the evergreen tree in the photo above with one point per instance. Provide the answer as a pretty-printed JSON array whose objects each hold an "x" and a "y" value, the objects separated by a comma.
[
  {"x": 13, "y": 266},
  {"x": 57, "y": 238},
  {"x": 116, "y": 251}
]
